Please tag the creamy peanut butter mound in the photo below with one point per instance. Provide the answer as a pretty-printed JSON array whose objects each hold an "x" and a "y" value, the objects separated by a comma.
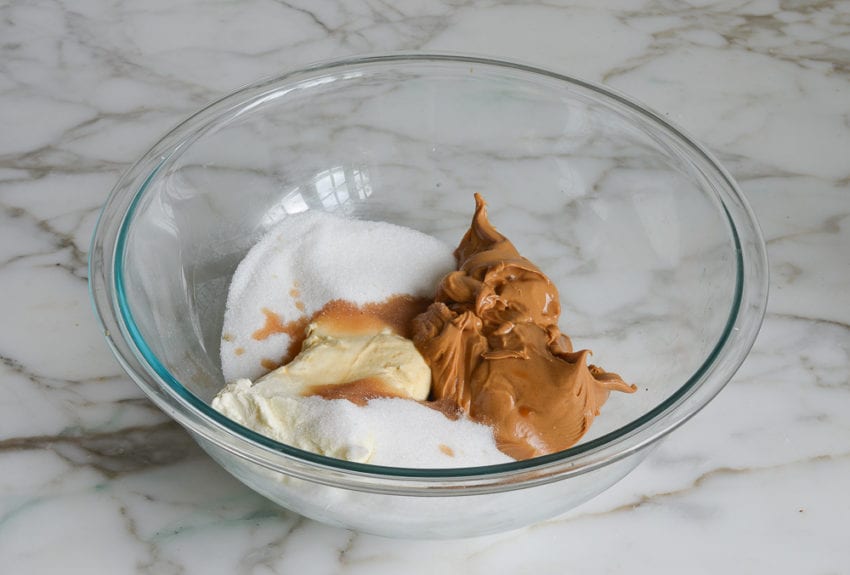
[{"x": 492, "y": 341}]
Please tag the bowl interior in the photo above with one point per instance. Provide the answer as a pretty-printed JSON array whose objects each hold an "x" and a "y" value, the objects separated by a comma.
[{"x": 620, "y": 213}]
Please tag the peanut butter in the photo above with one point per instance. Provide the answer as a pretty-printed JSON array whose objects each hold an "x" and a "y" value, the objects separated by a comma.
[{"x": 492, "y": 341}]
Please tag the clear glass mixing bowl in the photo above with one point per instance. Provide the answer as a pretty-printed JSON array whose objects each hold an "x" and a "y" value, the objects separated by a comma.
[{"x": 659, "y": 261}]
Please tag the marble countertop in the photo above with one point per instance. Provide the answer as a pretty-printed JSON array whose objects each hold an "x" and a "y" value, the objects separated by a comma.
[{"x": 95, "y": 479}]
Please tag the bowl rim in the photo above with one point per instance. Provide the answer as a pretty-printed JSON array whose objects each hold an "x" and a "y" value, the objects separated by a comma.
[{"x": 106, "y": 283}]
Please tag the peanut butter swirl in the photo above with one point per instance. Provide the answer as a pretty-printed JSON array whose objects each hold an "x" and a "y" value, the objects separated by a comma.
[{"x": 492, "y": 341}]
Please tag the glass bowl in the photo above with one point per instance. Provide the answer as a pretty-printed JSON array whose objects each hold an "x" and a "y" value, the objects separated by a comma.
[{"x": 658, "y": 259}]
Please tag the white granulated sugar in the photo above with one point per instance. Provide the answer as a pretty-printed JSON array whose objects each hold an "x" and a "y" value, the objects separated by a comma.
[
  {"x": 402, "y": 433},
  {"x": 394, "y": 432},
  {"x": 310, "y": 259}
]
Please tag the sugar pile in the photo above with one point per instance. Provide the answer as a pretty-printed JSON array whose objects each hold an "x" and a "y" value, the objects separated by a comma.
[{"x": 310, "y": 259}]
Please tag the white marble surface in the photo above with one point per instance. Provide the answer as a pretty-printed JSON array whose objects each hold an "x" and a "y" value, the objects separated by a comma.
[{"x": 94, "y": 479}]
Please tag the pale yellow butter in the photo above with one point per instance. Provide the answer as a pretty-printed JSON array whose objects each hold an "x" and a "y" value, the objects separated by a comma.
[{"x": 276, "y": 406}]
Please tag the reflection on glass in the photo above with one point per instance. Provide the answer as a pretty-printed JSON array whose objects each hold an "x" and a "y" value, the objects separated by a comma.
[
  {"x": 339, "y": 186},
  {"x": 329, "y": 190}
]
